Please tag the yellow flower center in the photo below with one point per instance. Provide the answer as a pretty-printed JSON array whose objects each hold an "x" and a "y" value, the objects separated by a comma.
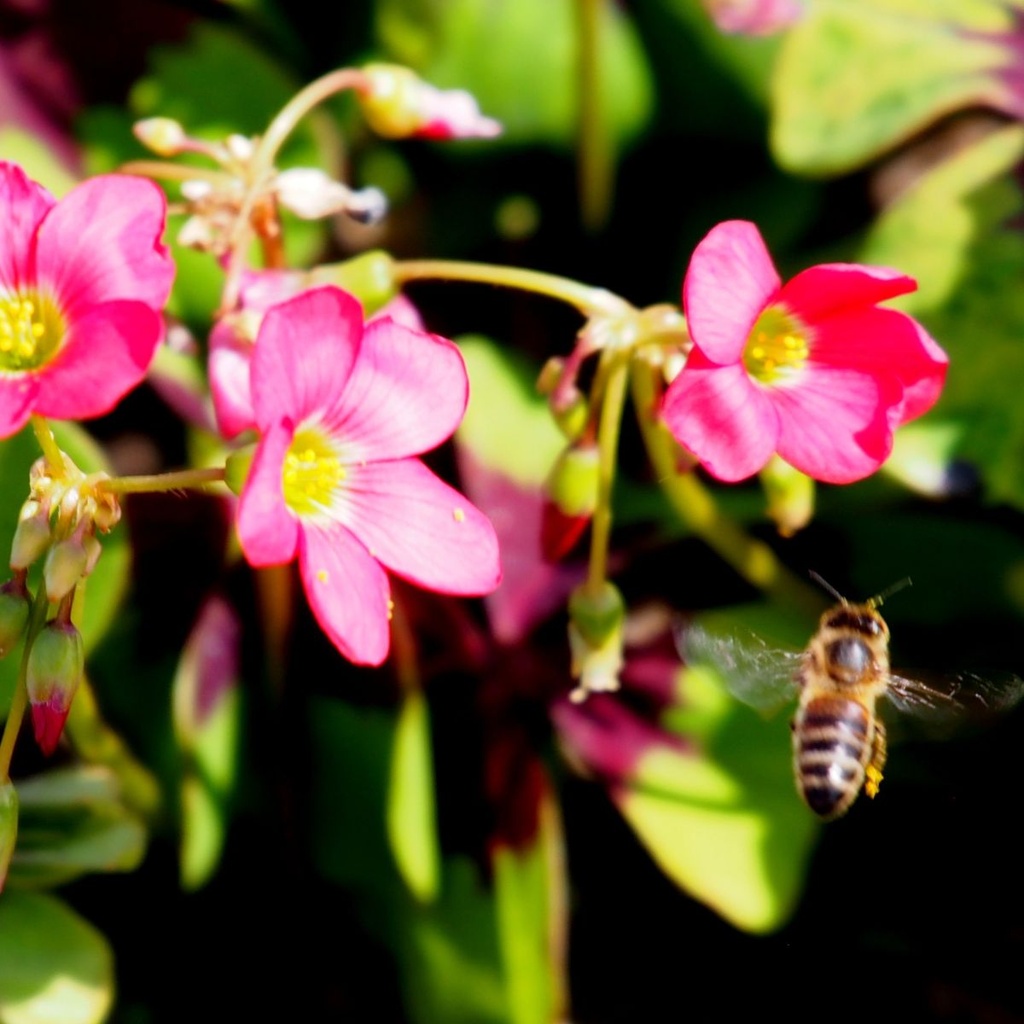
[
  {"x": 312, "y": 473},
  {"x": 777, "y": 346},
  {"x": 31, "y": 330}
]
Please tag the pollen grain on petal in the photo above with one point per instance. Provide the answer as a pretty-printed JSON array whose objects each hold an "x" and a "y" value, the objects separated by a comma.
[
  {"x": 321, "y": 576},
  {"x": 459, "y": 515}
]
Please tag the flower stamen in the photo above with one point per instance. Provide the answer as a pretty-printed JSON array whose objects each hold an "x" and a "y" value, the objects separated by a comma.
[
  {"x": 312, "y": 473},
  {"x": 29, "y": 332},
  {"x": 777, "y": 347}
]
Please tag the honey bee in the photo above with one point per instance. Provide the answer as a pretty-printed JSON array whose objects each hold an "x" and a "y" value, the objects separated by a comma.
[{"x": 839, "y": 739}]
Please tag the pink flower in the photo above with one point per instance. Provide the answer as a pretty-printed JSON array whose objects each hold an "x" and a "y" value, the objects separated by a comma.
[
  {"x": 812, "y": 369},
  {"x": 82, "y": 285},
  {"x": 342, "y": 407},
  {"x": 231, "y": 342}
]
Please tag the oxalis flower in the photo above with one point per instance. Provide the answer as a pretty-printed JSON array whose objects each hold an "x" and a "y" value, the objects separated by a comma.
[
  {"x": 812, "y": 369},
  {"x": 82, "y": 285},
  {"x": 342, "y": 407}
]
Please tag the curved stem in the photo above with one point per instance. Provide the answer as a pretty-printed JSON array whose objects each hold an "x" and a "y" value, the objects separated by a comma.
[
  {"x": 44, "y": 435},
  {"x": 185, "y": 479},
  {"x": 595, "y": 158},
  {"x": 612, "y": 402},
  {"x": 587, "y": 299},
  {"x": 752, "y": 559},
  {"x": 175, "y": 172}
]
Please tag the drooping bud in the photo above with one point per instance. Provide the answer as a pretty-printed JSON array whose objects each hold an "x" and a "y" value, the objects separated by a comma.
[
  {"x": 15, "y": 605},
  {"x": 8, "y": 827},
  {"x": 595, "y": 639},
  {"x": 163, "y": 135},
  {"x": 790, "y": 495},
  {"x": 311, "y": 194},
  {"x": 55, "y": 666},
  {"x": 65, "y": 566},
  {"x": 31, "y": 536},
  {"x": 572, "y": 489},
  {"x": 397, "y": 103}
]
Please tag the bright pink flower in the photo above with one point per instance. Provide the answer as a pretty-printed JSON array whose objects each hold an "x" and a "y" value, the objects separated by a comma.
[
  {"x": 231, "y": 343},
  {"x": 342, "y": 408},
  {"x": 82, "y": 285},
  {"x": 812, "y": 369}
]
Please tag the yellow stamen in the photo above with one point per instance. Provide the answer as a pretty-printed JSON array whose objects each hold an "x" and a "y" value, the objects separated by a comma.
[
  {"x": 312, "y": 472},
  {"x": 777, "y": 346},
  {"x": 31, "y": 330},
  {"x": 458, "y": 515}
]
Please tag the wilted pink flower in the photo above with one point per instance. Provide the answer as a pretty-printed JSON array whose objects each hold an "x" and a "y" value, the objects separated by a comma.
[
  {"x": 232, "y": 340},
  {"x": 754, "y": 17},
  {"x": 82, "y": 285},
  {"x": 812, "y": 369},
  {"x": 342, "y": 408}
]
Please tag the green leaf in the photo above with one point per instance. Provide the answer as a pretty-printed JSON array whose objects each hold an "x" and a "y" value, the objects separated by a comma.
[
  {"x": 520, "y": 61},
  {"x": 955, "y": 232},
  {"x": 411, "y": 815},
  {"x": 72, "y": 822},
  {"x": 857, "y": 77},
  {"x": 507, "y": 426},
  {"x": 55, "y": 968}
]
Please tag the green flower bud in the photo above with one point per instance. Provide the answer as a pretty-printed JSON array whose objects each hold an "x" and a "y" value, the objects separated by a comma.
[
  {"x": 8, "y": 827},
  {"x": 55, "y": 666},
  {"x": 163, "y": 135},
  {"x": 65, "y": 565},
  {"x": 369, "y": 277},
  {"x": 790, "y": 495},
  {"x": 595, "y": 639},
  {"x": 15, "y": 606},
  {"x": 572, "y": 489},
  {"x": 236, "y": 468},
  {"x": 31, "y": 536},
  {"x": 391, "y": 104}
]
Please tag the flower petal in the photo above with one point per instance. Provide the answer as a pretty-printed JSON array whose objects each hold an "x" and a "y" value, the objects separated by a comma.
[
  {"x": 833, "y": 288},
  {"x": 17, "y": 400},
  {"x": 407, "y": 394},
  {"x": 731, "y": 279},
  {"x": 836, "y": 424},
  {"x": 348, "y": 592},
  {"x": 268, "y": 531},
  {"x": 722, "y": 417},
  {"x": 422, "y": 529},
  {"x": 105, "y": 354},
  {"x": 23, "y": 205},
  {"x": 228, "y": 368},
  {"x": 102, "y": 242},
  {"x": 304, "y": 354},
  {"x": 885, "y": 343}
]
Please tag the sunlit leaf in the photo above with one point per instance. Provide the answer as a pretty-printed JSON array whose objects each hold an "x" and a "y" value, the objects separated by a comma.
[{"x": 55, "y": 968}]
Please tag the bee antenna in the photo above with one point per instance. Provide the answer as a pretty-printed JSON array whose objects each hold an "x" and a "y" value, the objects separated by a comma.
[
  {"x": 890, "y": 590},
  {"x": 822, "y": 582}
]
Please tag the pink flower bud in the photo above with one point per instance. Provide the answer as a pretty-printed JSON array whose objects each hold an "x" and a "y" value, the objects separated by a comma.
[
  {"x": 55, "y": 666},
  {"x": 8, "y": 827},
  {"x": 572, "y": 488},
  {"x": 15, "y": 605}
]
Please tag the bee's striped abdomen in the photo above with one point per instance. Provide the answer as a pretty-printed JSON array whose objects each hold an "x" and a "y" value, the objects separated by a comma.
[{"x": 832, "y": 744}]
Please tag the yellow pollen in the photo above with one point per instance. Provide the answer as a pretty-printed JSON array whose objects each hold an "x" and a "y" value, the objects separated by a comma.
[
  {"x": 321, "y": 576},
  {"x": 30, "y": 332},
  {"x": 458, "y": 515},
  {"x": 312, "y": 473},
  {"x": 777, "y": 346}
]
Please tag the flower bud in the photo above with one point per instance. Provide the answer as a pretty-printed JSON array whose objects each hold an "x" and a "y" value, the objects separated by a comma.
[
  {"x": 572, "y": 488},
  {"x": 15, "y": 605},
  {"x": 163, "y": 135},
  {"x": 790, "y": 495},
  {"x": 8, "y": 827},
  {"x": 370, "y": 277},
  {"x": 55, "y": 666},
  {"x": 236, "y": 468},
  {"x": 595, "y": 639},
  {"x": 65, "y": 566},
  {"x": 31, "y": 536}
]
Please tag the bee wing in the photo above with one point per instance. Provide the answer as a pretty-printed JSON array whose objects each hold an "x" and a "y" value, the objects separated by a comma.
[
  {"x": 961, "y": 693},
  {"x": 755, "y": 673}
]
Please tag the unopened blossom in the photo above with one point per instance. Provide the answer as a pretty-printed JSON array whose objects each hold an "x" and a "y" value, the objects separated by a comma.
[
  {"x": 233, "y": 338},
  {"x": 397, "y": 103},
  {"x": 83, "y": 282},
  {"x": 814, "y": 369},
  {"x": 343, "y": 407},
  {"x": 754, "y": 17}
]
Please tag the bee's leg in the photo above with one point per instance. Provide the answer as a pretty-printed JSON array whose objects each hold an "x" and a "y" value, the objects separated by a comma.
[{"x": 873, "y": 772}]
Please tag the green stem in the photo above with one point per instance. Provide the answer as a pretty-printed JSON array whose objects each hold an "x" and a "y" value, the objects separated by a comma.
[
  {"x": 44, "y": 435},
  {"x": 158, "y": 169},
  {"x": 184, "y": 479},
  {"x": 612, "y": 403},
  {"x": 587, "y": 299},
  {"x": 19, "y": 701},
  {"x": 752, "y": 559}
]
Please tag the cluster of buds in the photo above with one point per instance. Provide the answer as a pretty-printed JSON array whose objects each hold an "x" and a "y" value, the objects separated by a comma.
[
  {"x": 244, "y": 194},
  {"x": 58, "y": 523}
]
